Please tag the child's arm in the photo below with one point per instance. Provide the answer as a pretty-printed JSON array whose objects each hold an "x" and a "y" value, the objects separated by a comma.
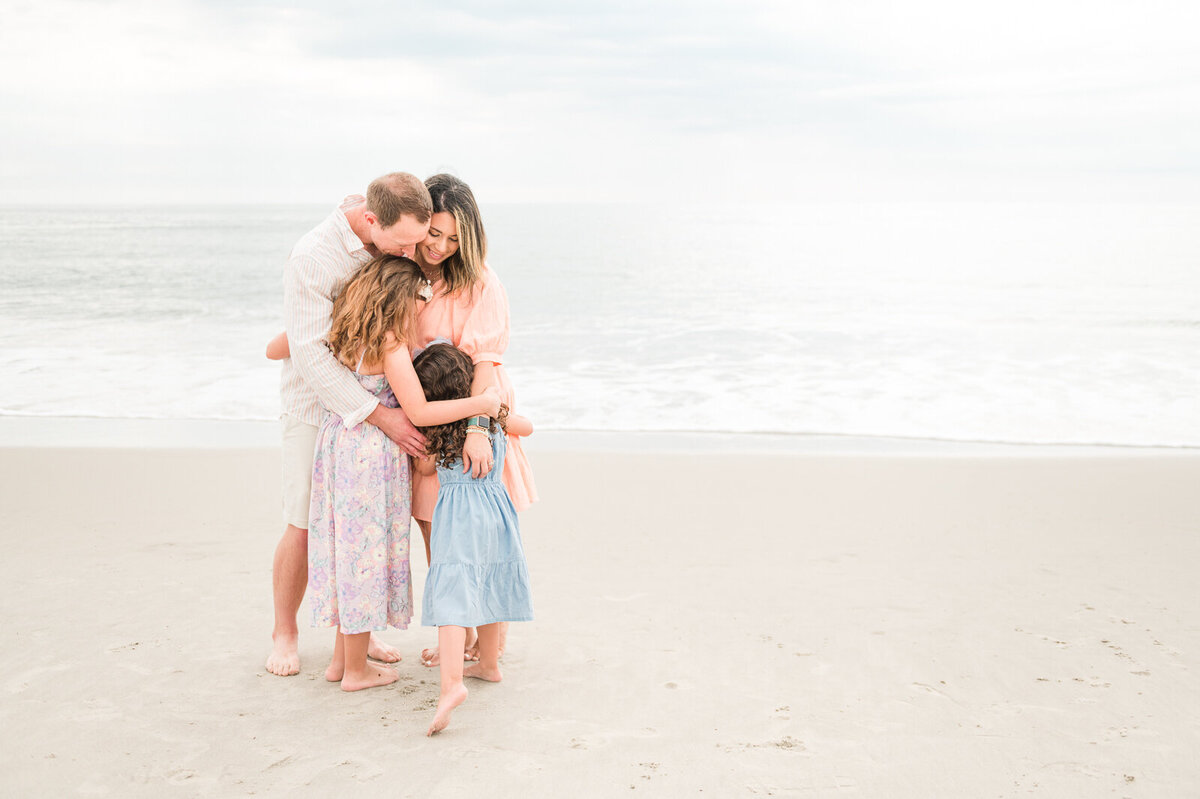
[
  {"x": 518, "y": 425},
  {"x": 278, "y": 349},
  {"x": 425, "y": 465},
  {"x": 397, "y": 367}
]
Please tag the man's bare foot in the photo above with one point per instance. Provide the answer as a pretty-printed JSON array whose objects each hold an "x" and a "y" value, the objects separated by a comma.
[
  {"x": 477, "y": 671},
  {"x": 284, "y": 659},
  {"x": 449, "y": 700},
  {"x": 374, "y": 677},
  {"x": 378, "y": 650}
]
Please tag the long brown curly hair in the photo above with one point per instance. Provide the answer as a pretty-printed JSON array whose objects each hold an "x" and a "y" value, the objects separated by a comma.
[
  {"x": 445, "y": 373},
  {"x": 379, "y": 299}
]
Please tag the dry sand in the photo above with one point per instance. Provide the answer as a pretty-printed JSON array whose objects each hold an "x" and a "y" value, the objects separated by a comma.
[{"x": 708, "y": 624}]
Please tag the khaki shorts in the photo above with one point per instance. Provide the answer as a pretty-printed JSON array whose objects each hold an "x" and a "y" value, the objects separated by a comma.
[{"x": 299, "y": 440}]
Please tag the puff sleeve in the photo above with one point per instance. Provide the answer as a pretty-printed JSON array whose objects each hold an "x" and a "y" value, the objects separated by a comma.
[{"x": 485, "y": 332}]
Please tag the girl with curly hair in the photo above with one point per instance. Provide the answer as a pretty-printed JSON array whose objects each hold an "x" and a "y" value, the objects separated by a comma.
[
  {"x": 477, "y": 575},
  {"x": 469, "y": 308}
]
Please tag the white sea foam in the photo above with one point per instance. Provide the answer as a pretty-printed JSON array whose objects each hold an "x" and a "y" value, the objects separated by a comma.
[{"x": 995, "y": 323}]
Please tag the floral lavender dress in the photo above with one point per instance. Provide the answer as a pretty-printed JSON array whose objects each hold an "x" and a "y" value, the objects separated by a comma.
[{"x": 358, "y": 571}]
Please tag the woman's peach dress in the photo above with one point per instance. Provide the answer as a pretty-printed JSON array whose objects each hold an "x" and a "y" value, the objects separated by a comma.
[{"x": 476, "y": 321}]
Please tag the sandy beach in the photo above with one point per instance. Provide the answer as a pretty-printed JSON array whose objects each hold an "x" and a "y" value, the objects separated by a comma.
[{"x": 709, "y": 623}]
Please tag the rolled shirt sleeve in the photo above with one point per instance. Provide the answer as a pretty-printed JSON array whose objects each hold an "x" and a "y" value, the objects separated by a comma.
[{"x": 307, "y": 289}]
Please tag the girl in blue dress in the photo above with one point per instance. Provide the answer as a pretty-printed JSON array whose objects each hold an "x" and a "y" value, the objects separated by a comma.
[{"x": 477, "y": 574}]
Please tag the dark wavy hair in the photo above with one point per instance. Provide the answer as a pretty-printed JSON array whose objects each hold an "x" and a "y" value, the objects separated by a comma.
[{"x": 445, "y": 373}]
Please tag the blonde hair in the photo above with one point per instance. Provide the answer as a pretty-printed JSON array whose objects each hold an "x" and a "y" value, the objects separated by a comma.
[
  {"x": 398, "y": 194},
  {"x": 379, "y": 299},
  {"x": 451, "y": 195}
]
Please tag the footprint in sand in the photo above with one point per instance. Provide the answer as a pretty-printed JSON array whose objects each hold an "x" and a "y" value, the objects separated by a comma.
[
  {"x": 929, "y": 689},
  {"x": 31, "y": 677},
  {"x": 97, "y": 710}
]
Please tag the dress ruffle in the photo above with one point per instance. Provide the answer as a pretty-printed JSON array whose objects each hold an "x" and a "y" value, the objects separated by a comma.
[{"x": 469, "y": 595}]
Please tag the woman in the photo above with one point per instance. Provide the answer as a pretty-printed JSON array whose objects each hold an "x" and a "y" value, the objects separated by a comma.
[{"x": 469, "y": 308}]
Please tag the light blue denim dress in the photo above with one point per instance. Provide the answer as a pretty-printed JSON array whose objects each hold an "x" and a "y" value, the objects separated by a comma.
[{"x": 478, "y": 573}]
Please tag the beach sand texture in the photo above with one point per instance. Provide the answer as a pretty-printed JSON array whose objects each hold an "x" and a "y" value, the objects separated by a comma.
[{"x": 707, "y": 625}]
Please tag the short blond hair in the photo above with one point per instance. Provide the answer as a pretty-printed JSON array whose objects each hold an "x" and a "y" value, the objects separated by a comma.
[{"x": 398, "y": 194}]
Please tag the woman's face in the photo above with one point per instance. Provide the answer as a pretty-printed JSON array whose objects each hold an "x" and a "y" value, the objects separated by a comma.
[{"x": 442, "y": 240}]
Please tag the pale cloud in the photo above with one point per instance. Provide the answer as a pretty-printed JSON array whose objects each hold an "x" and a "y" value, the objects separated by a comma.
[{"x": 278, "y": 101}]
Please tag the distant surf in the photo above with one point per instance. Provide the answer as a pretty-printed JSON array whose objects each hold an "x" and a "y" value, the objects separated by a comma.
[{"x": 976, "y": 322}]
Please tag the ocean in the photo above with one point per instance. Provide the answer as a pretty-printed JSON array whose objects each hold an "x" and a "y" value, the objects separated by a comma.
[{"x": 1016, "y": 323}]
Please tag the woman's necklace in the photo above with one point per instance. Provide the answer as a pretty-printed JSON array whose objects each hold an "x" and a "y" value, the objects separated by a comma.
[{"x": 432, "y": 273}]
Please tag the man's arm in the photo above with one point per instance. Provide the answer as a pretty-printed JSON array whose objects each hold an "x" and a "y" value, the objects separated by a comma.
[{"x": 307, "y": 308}]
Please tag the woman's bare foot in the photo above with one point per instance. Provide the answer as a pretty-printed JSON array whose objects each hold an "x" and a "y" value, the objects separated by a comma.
[
  {"x": 378, "y": 650},
  {"x": 450, "y": 699},
  {"x": 373, "y": 677},
  {"x": 431, "y": 657},
  {"x": 284, "y": 659},
  {"x": 479, "y": 672}
]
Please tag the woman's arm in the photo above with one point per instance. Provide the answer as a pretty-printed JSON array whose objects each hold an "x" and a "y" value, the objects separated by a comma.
[
  {"x": 278, "y": 349},
  {"x": 485, "y": 375},
  {"x": 518, "y": 425},
  {"x": 397, "y": 367}
]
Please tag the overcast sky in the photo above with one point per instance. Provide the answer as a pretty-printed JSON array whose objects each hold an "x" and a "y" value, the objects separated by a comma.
[{"x": 738, "y": 102}]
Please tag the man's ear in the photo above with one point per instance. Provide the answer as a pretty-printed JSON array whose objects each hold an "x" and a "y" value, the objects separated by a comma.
[{"x": 370, "y": 218}]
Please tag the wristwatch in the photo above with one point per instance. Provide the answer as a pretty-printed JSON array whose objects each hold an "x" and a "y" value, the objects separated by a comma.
[{"x": 479, "y": 421}]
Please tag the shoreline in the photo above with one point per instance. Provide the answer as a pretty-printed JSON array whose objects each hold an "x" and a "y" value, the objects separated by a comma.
[{"x": 77, "y": 432}]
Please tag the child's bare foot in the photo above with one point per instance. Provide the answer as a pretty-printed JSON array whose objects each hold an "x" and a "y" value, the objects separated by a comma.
[
  {"x": 284, "y": 659},
  {"x": 378, "y": 650},
  {"x": 336, "y": 669},
  {"x": 450, "y": 699},
  {"x": 373, "y": 677},
  {"x": 480, "y": 672}
]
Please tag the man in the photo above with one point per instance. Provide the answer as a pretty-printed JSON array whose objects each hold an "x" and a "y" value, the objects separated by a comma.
[{"x": 392, "y": 219}]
